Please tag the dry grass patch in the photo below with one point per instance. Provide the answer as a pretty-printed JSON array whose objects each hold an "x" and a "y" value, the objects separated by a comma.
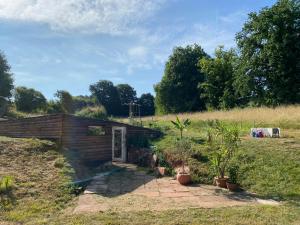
[{"x": 283, "y": 116}]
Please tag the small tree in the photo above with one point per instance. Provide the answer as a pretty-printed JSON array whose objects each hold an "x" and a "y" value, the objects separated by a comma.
[
  {"x": 181, "y": 125},
  {"x": 223, "y": 143},
  {"x": 65, "y": 100},
  {"x": 29, "y": 100}
]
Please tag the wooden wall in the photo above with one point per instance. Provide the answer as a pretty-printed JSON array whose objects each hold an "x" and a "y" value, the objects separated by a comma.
[
  {"x": 47, "y": 127},
  {"x": 94, "y": 148},
  {"x": 72, "y": 132}
]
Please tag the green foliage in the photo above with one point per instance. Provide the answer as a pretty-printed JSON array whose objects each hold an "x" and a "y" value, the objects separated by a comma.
[
  {"x": 65, "y": 99},
  {"x": 6, "y": 80},
  {"x": 146, "y": 102},
  {"x": 54, "y": 107},
  {"x": 29, "y": 100},
  {"x": 80, "y": 102},
  {"x": 233, "y": 174},
  {"x": 217, "y": 89},
  {"x": 181, "y": 125},
  {"x": 107, "y": 95},
  {"x": 179, "y": 152},
  {"x": 268, "y": 71},
  {"x": 138, "y": 141},
  {"x": 96, "y": 112},
  {"x": 6, "y": 185},
  {"x": 3, "y": 106},
  {"x": 127, "y": 95},
  {"x": 177, "y": 91},
  {"x": 223, "y": 144}
]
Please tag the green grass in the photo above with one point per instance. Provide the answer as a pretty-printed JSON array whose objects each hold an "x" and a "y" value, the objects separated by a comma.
[
  {"x": 251, "y": 215},
  {"x": 269, "y": 167},
  {"x": 40, "y": 188}
]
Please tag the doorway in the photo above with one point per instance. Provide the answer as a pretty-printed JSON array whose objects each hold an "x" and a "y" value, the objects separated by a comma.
[{"x": 119, "y": 144}]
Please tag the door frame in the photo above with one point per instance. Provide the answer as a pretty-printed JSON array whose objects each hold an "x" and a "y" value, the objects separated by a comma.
[{"x": 123, "y": 141}]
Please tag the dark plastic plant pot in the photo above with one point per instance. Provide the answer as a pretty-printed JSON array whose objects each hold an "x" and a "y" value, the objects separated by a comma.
[
  {"x": 232, "y": 187},
  {"x": 184, "y": 178},
  {"x": 221, "y": 182}
]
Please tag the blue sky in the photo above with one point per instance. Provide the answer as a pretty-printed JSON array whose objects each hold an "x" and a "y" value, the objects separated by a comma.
[{"x": 69, "y": 44}]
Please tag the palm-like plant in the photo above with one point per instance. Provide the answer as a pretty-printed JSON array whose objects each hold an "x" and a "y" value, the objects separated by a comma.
[{"x": 181, "y": 125}]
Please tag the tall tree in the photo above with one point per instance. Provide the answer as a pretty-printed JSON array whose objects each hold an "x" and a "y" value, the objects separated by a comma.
[
  {"x": 146, "y": 102},
  {"x": 269, "y": 71},
  {"x": 29, "y": 100},
  {"x": 127, "y": 95},
  {"x": 108, "y": 96},
  {"x": 65, "y": 100},
  {"x": 177, "y": 91},
  {"x": 6, "y": 80},
  {"x": 218, "y": 90}
]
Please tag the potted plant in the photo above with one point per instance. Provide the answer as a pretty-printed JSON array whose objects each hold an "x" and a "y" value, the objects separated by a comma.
[
  {"x": 177, "y": 156},
  {"x": 222, "y": 143},
  {"x": 232, "y": 181},
  {"x": 183, "y": 175}
]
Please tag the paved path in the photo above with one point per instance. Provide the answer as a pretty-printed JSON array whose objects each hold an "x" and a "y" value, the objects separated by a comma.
[{"x": 131, "y": 189}]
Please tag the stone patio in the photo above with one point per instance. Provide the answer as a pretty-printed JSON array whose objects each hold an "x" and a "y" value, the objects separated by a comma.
[{"x": 132, "y": 189}]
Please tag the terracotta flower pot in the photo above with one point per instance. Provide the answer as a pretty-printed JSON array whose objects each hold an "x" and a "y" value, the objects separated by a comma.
[
  {"x": 161, "y": 170},
  {"x": 232, "y": 187},
  {"x": 184, "y": 178},
  {"x": 221, "y": 182}
]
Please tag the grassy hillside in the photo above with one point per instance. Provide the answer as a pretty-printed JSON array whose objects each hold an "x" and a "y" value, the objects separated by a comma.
[
  {"x": 269, "y": 167},
  {"x": 41, "y": 179}
]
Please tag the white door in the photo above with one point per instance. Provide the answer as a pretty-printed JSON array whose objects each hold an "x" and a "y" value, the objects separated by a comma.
[{"x": 119, "y": 144}]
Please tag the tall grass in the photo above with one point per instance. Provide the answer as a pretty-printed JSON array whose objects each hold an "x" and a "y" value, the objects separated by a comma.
[{"x": 283, "y": 116}]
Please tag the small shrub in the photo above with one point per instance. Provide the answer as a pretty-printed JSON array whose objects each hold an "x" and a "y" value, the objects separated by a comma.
[
  {"x": 138, "y": 141},
  {"x": 6, "y": 185},
  {"x": 179, "y": 152},
  {"x": 233, "y": 174},
  {"x": 59, "y": 163},
  {"x": 222, "y": 143},
  {"x": 96, "y": 112}
]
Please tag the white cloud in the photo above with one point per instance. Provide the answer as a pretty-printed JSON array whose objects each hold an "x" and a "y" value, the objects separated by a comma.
[
  {"x": 138, "y": 52},
  {"x": 102, "y": 16}
]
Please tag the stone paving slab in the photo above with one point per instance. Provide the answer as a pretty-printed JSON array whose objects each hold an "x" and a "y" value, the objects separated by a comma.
[{"x": 131, "y": 189}]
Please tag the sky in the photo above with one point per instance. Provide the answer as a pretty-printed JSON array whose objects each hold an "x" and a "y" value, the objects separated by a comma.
[{"x": 70, "y": 44}]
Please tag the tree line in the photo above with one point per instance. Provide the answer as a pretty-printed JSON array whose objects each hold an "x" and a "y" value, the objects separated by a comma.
[
  {"x": 264, "y": 69},
  {"x": 105, "y": 99}
]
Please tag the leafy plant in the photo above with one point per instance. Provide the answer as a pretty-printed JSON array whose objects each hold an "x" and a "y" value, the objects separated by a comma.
[
  {"x": 233, "y": 174},
  {"x": 222, "y": 142},
  {"x": 6, "y": 185},
  {"x": 138, "y": 141},
  {"x": 96, "y": 112},
  {"x": 179, "y": 153},
  {"x": 181, "y": 125}
]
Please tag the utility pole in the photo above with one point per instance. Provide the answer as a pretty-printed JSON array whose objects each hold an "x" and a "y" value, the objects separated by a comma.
[{"x": 132, "y": 113}]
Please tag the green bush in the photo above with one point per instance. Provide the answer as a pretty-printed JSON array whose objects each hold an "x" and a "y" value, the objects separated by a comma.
[
  {"x": 96, "y": 112},
  {"x": 222, "y": 143},
  {"x": 138, "y": 141},
  {"x": 6, "y": 185}
]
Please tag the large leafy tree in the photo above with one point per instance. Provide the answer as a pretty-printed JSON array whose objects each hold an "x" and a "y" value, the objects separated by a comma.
[
  {"x": 146, "y": 102},
  {"x": 127, "y": 95},
  {"x": 269, "y": 43},
  {"x": 6, "y": 80},
  {"x": 218, "y": 90},
  {"x": 29, "y": 100},
  {"x": 177, "y": 91},
  {"x": 108, "y": 96}
]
